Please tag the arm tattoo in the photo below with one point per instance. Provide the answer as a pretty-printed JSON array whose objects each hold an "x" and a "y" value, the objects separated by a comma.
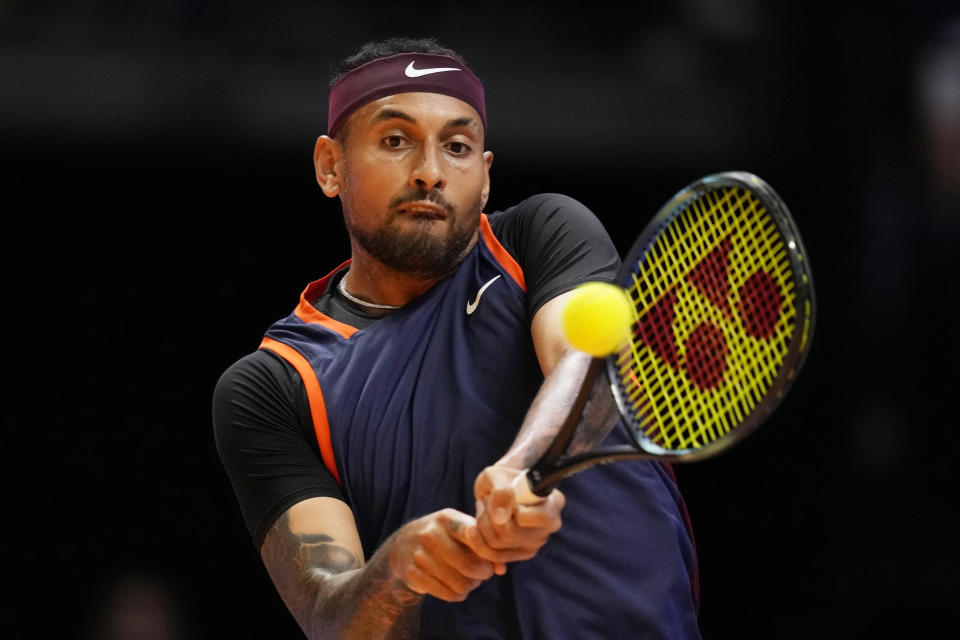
[
  {"x": 317, "y": 554},
  {"x": 325, "y": 589}
]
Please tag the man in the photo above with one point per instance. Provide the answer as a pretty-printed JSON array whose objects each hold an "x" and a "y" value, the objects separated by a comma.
[{"x": 392, "y": 403}]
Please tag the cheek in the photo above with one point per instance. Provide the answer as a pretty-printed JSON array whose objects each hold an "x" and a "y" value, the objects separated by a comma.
[
  {"x": 472, "y": 193},
  {"x": 363, "y": 187}
]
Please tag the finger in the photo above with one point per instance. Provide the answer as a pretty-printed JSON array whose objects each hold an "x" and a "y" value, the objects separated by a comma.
[
  {"x": 454, "y": 546},
  {"x": 472, "y": 537},
  {"x": 483, "y": 484},
  {"x": 493, "y": 478},
  {"x": 442, "y": 570},
  {"x": 507, "y": 536},
  {"x": 501, "y": 557},
  {"x": 476, "y": 541},
  {"x": 421, "y": 581},
  {"x": 545, "y": 515},
  {"x": 500, "y": 534},
  {"x": 491, "y": 536},
  {"x": 501, "y": 504},
  {"x": 467, "y": 563},
  {"x": 500, "y": 550}
]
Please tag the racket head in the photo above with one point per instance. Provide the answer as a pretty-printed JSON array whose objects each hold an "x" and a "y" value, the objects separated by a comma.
[{"x": 724, "y": 310}]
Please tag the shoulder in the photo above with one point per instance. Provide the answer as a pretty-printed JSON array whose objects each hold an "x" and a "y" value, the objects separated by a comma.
[
  {"x": 540, "y": 207},
  {"x": 558, "y": 243},
  {"x": 260, "y": 369},
  {"x": 258, "y": 389},
  {"x": 544, "y": 218}
]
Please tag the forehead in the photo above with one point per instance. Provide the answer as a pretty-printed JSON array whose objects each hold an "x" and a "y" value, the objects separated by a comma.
[{"x": 423, "y": 108}]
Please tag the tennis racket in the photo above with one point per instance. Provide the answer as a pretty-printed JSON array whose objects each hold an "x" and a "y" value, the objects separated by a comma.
[{"x": 723, "y": 307}]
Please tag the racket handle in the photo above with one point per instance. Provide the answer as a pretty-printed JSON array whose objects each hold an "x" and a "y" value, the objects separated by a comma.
[{"x": 522, "y": 490}]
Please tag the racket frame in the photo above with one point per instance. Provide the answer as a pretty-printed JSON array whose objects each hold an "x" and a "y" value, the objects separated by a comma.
[{"x": 553, "y": 465}]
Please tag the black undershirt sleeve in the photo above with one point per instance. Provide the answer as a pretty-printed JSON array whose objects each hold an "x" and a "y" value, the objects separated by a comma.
[
  {"x": 263, "y": 428},
  {"x": 264, "y": 435},
  {"x": 558, "y": 242}
]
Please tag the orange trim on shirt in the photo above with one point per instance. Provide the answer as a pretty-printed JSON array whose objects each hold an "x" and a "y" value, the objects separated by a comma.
[
  {"x": 318, "y": 408},
  {"x": 309, "y": 314},
  {"x": 505, "y": 259}
]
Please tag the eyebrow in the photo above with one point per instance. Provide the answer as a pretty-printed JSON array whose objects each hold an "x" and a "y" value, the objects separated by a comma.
[
  {"x": 461, "y": 122},
  {"x": 391, "y": 114}
]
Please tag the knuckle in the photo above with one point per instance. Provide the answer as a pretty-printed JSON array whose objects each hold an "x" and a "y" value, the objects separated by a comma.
[
  {"x": 424, "y": 536},
  {"x": 444, "y": 594},
  {"x": 483, "y": 483},
  {"x": 414, "y": 579},
  {"x": 419, "y": 558},
  {"x": 447, "y": 514},
  {"x": 457, "y": 596},
  {"x": 467, "y": 587},
  {"x": 479, "y": 569}
]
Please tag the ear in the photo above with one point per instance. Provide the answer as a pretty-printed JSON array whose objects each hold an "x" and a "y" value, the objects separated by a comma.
[
  {"x": 485, "y": 193},
  {"x": 327, "y": 164}
]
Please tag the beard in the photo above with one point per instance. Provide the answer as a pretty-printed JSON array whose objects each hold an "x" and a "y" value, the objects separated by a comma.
[{"x": 416, "y": 250}]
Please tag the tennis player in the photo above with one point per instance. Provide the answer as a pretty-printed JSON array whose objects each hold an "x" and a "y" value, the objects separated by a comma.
[{"x": 372, "y": 437}]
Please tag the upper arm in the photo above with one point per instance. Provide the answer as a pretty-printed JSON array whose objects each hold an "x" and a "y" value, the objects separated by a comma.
[
  {"x": 559, "y": 243},
  {"x": 318, "y": 521},
  {"x": 546, "y": 329},
  {"x": 264, "y": 437}
]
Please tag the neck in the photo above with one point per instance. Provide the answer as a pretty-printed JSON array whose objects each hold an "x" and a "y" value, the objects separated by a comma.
[{"x": 372, "y": 281}]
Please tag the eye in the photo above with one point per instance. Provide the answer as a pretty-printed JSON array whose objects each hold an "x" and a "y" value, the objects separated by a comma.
[
  {"x": 394, "y": 141},
  {"x": 458, "y": 148}
]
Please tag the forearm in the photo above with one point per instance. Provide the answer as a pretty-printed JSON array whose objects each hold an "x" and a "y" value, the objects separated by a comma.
[
  {"x": 372, "y": 603},
  {"x": 552, "y": 405},
  {"x": 548, "y": 410},
  {"x": 332, "y": 594}
]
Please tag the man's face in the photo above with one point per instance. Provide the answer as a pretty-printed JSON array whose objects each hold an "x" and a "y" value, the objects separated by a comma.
[{"x": 413, "y": 180}]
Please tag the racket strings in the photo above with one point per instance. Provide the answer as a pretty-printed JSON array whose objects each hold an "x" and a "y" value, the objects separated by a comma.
[
  {"x": 714, "y": 303},
  {"x": 667, "y": 263}
]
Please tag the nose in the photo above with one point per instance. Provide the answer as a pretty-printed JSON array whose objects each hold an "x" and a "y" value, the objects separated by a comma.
[{"x": 428, "y": 174}]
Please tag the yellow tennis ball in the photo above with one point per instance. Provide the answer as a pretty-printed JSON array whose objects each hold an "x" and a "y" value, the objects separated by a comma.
[{"x": 598, "y": 318}]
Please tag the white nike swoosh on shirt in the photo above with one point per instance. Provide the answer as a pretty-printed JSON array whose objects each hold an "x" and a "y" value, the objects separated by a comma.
[
  {"x": 410, "y": 72},
  {"x": 472, "y": 306}
]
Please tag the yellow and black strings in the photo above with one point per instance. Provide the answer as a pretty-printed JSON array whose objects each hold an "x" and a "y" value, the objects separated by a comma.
[{"x": 715, "y": 308}]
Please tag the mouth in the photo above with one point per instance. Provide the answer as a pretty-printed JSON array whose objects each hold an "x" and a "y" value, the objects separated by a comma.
[{"x": 423, "y": 209}]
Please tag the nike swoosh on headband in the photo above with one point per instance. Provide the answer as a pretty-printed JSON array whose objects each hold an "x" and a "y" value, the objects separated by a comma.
[
  {"x": 412, "y": 72},
  {"x": 472, "y": 306}
]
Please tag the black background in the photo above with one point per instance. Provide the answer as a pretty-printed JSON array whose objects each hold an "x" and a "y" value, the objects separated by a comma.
[{"x": 160, "y": 211}]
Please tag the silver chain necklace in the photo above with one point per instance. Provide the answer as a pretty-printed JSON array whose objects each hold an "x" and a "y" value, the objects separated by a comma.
[{"x": 363, "y": 303}]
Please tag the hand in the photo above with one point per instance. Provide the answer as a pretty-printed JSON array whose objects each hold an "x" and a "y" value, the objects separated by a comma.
[
  {"x": 432, "y": 555},
  {"x": 505, "y": 531}
]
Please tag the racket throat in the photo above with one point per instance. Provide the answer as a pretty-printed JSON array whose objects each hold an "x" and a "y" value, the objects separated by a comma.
[{"x": 542, "y": 481}]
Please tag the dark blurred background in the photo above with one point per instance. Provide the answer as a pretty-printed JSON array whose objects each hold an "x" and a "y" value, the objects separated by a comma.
[{"x": 160, "y": 210}]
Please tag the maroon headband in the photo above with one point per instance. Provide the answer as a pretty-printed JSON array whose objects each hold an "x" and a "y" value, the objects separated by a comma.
[{"x": 403, "y": 73}]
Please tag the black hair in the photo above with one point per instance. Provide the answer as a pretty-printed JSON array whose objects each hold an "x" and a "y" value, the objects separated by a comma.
[{"x": 390, "y": 47}]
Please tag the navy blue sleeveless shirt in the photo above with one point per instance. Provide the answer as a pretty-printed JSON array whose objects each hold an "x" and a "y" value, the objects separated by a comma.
[{"x": 408, "y": 410}]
